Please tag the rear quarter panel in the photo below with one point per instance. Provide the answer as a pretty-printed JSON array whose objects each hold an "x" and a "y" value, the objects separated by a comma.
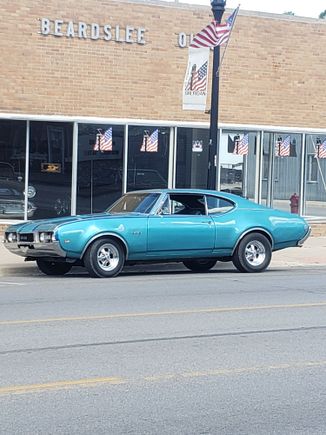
[{"x": 284, "y": 228}]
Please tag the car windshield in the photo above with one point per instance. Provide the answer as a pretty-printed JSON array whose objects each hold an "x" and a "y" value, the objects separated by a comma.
[
  {"x": 6, "y": 171},
  {"x": 134, "y": 203}
]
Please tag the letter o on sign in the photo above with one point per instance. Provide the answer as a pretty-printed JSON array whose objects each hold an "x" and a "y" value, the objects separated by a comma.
[{"x": 182, "y": 40}]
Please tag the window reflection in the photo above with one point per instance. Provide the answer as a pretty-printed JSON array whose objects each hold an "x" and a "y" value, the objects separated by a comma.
[
  {"x": 315, "y": 175},
  {"x": 12, "y": 170},
  {"x": 148, "y": 157},
  {"x": 50, "y": 167},
  {"x": 238, "y": 162},
  {"x": 192, "y": 158},
  {"x": 281, "y": 168},
  {"x": 100, "y": 160}
]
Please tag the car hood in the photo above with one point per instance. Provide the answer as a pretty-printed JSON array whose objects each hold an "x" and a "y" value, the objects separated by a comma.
[{"x": 51, "y": 224}]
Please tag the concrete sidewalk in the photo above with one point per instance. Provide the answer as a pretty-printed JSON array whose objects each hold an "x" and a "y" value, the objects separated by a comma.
[{"x": 312, "y": 254}]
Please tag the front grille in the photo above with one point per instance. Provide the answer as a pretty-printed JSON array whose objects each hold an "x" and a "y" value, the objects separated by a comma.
[{"x": 27, "y": 237}]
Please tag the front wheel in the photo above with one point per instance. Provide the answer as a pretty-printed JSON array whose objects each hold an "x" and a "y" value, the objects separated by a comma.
[
  {"x": 200, "y": 265},
  {"x": 104, "y": 258},
  {"x": 53, "y": 267},
  {"x": 253, "y": 253}
]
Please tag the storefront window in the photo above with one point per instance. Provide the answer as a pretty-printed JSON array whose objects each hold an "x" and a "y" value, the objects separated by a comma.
[
  {"x": 192, "y": 158},
  {"x": 281, "y": 169},
  {"x": 50, "y": 168},
  {"x": 148, "y": 157},
  {"x": 12, "y": 170},
  {"x": 238, "y": 162},
  {"x": 315, "y": 176},
  {"x": 100, "y": 161}
]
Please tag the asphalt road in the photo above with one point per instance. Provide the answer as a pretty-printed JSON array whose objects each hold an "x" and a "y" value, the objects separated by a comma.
[{"x": 164, "y": 352}]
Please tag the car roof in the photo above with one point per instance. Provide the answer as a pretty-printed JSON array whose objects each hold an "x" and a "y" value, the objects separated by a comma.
[{"x": 230, "y": 196}]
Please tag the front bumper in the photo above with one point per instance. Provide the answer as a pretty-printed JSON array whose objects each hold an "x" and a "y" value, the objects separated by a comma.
[
  {"x": 301, "y": 242},
  {"x": 36, "y": 249}
]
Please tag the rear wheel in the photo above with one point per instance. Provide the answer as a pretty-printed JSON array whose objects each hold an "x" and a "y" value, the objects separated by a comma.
[
  {"x": 104, "y": 258},
  {"x": 253, "y": 253},
  {"x": 53, "y": 267},
  {"x": 200, "y": 265}
]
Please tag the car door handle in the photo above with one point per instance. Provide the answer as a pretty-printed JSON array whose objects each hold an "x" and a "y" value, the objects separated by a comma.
[{"x": 205, "y": 222}]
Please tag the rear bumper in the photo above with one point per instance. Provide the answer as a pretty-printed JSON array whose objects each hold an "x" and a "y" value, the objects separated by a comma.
[{"x": 301, "y": 242}]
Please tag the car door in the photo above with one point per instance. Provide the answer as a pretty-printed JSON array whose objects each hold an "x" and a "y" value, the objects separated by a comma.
[
  {"x": 223, "y": 212},
  {"x": 180, "y": 231}
]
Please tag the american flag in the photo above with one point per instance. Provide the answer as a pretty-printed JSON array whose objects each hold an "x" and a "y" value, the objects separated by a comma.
[
  {"x": 321, "y": 150},
  {"x": 242, "y": 145},
  {"x": 198, "y": 79},
  {"x": 214, "y": 34},
  {"x": 282, "y": 147},
  {"x": 150, "y": 142},
  {"x": 103, "y": 140}
]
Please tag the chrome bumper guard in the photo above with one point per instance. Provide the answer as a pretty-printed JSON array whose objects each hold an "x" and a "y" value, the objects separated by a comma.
[{"x": 301, "y": 242}]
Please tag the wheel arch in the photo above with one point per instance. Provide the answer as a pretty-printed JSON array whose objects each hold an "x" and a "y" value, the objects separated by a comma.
[
  {"x": 258, "y": 230},
  {"x": 103, "y": 236}
]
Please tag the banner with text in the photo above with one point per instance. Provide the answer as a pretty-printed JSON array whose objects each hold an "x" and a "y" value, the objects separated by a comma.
[{"x": 196, "y": 78}]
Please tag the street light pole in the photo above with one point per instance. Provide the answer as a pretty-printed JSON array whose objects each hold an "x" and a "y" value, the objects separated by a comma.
[{"x": 218, "y": 8}]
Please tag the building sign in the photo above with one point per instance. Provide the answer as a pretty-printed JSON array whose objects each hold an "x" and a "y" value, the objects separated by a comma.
[
  {"x": 185, "y": 40},
  {"x": 51, "y": 167},
  {"x": 81, "y": 30}
]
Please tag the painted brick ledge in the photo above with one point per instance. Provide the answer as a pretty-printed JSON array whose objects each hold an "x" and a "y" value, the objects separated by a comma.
[{"x": 317, "y": 229}]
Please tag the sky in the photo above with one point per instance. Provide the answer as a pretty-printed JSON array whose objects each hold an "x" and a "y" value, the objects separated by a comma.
[{"x": 302, "y": 8}]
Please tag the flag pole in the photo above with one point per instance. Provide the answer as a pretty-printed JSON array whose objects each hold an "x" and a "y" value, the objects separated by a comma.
[
  {"x": 218, "y": 8},
  {"x": 227, "y": 42}
]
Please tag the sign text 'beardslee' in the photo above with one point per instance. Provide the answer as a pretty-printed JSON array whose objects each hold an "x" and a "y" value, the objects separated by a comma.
[{"x": 82, "y": 30}]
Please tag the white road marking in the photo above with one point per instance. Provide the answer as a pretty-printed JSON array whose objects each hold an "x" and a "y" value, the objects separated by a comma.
[{"x": 4, "y": 283}]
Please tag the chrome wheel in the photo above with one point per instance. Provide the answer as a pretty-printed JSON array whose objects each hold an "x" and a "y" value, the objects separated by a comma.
[
  {"x": 105, "y": 258},
  {"x": 108, "y": 257},
  {"x": 255, "y": 253}
]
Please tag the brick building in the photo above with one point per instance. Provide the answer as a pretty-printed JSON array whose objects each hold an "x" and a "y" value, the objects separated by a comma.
[{"x": 69, "y": 72}]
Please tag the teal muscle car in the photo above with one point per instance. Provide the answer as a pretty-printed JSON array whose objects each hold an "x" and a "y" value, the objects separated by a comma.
[{"x": 196, "y": 227}]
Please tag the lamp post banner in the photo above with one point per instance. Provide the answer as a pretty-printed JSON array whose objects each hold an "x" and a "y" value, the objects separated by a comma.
[{"x": 196, "y": 78}]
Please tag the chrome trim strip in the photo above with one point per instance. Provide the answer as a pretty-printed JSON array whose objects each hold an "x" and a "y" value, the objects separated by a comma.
[{"x": 301, "y": 242}]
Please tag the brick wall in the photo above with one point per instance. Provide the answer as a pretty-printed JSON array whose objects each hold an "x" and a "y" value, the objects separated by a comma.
[{"x": 274, "y": 70}]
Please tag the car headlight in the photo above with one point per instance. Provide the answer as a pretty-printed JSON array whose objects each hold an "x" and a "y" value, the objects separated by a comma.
[
  {"x": 11, "y": 237},
  {"x": 31, "y": 191},
  {"x": 46, "y": 237}
]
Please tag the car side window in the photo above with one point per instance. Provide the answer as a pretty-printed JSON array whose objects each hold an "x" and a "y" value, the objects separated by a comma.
[
  {"x": 188, "y": 204},
  {"x": 216, "y": 205}
]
